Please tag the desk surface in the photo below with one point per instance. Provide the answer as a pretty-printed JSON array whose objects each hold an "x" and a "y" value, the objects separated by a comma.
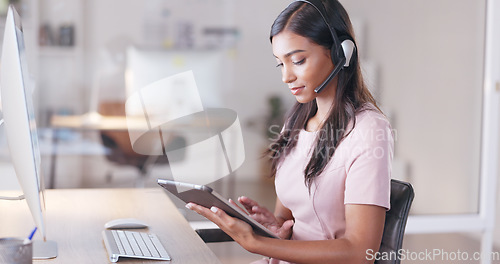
[
  {"x": 217, "y": 119},
  {"x": 97, "y": 123},
  {"x": 75, "y": 220}
]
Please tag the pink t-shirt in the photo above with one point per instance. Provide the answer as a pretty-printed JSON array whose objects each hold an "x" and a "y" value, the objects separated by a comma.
[{"x": 358, "y": 173}]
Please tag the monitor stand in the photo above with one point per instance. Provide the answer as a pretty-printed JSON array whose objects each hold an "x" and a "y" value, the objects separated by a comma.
[{"x": 44, "y": 249}]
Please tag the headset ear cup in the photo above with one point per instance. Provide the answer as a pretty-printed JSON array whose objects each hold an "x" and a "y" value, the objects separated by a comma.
[{"x": 348, "y": 47}]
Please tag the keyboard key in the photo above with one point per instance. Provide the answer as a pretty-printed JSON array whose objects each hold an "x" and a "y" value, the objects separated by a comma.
[
  {"x": 125, "y": 242},
  {"x": 159, "y": 246},
  {"x": 133, "y": 243},
  {"x": 118, "y": 242},
  {"x": 150, "y": 245},
  {"x": 144, "y": 249}
]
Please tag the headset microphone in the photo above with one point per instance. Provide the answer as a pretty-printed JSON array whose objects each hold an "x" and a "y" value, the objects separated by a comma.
[
  {"x": 341, "y": 52},
  {"x": 348, "y": 49},
  {"x": 335, "y": 71}
]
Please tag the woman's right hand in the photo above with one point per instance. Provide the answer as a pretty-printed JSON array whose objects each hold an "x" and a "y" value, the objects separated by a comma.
[{"x": 282, "y": 229}]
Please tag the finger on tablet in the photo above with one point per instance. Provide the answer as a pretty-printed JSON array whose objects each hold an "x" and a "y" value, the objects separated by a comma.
[
  {"x": 237, "y": 205},
  {"x": 247, "y": 202}
]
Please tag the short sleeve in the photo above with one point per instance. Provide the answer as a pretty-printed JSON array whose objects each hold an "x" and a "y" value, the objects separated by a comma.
[{"x": 368, "y": 167}]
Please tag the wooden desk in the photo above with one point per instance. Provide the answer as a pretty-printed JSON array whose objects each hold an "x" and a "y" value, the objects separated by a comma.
[
  {"x": 218, "y": 119},
  {"x": 75, "y": 219},
  {"x": 98, "y": 122}
]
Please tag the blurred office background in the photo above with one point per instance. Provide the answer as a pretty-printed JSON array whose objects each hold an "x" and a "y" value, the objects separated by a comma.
[{"x": 423, "y": 61}]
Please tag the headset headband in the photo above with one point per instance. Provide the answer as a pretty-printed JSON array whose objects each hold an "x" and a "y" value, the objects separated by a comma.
[{"x": 318, "y": 5}]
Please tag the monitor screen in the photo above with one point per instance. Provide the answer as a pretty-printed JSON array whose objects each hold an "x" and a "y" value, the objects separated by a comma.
[{"x": 19, "y": 117}]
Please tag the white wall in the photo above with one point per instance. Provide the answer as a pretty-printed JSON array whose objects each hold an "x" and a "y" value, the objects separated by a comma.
[
  {"x": 496, "y": 235},
  {"x": 430, "y": 56}
]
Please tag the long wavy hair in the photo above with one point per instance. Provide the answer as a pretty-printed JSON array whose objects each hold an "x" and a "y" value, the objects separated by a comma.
[{"x": 351, "y": 95}]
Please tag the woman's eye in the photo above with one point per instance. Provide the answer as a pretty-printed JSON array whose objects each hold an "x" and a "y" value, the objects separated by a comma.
[
  {"x": 279, "y": 65},
  {"x": 299, "y": 62}
]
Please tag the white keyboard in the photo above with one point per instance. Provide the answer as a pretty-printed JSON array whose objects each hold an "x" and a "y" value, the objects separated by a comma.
[{"x": 120, "y": 243}]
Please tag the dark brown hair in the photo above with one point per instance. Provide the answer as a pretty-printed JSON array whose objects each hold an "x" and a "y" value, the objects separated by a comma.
[{"x": 351, "y": 97}]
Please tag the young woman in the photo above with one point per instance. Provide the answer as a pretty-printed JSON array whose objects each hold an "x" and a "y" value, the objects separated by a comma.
[{"x": 331, "y": 161}]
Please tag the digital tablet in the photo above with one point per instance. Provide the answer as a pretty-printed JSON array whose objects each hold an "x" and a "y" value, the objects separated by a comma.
[{"x": 205, "y": 196}]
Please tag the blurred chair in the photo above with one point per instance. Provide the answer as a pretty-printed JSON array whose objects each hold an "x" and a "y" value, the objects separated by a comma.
[
  {"x": 121, "y": 152},
  {"x": 395, "y": 223}
]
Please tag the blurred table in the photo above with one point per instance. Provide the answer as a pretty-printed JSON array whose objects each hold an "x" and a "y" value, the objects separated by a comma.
[
  {"x": 96, "y": 122},
  {"x": 86, "y": 123}
]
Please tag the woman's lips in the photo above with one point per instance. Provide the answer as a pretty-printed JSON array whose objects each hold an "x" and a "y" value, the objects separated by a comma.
[{"x": 296, "y": 90}]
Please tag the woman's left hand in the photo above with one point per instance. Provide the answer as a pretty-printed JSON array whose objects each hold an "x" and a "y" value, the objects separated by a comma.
[{"x": 240, "y": 231}]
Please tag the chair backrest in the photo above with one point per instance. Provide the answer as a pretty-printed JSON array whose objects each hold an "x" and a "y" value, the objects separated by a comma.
[
  {"x": 395, "y": 222},
  {"x": 118, "y": 142}
]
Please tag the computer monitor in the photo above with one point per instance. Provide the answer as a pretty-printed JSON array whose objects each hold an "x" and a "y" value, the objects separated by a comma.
[{"x": 20, "y": 126}]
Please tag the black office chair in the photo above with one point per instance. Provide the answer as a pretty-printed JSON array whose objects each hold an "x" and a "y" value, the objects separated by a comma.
[
  {"x": 395, "y": 220},
  {"x": 120, "y": 148},
  {"x": 395, "y": 223}
]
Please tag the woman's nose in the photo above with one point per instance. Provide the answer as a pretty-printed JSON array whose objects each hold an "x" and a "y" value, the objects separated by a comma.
[{"x": 287, "y": 75}]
